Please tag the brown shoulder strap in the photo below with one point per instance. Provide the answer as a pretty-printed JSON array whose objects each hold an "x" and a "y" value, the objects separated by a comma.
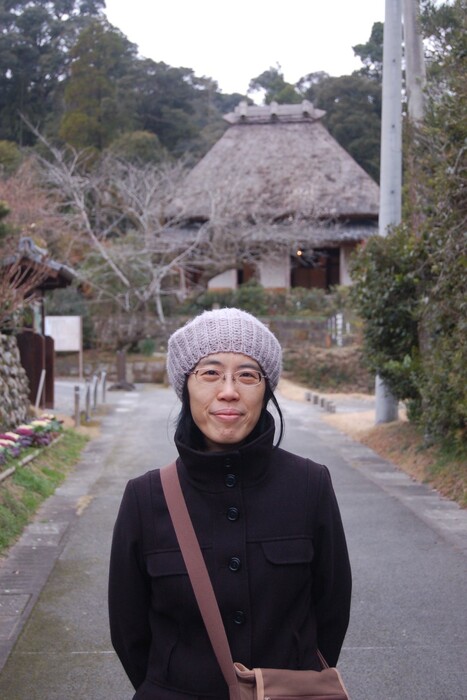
[{"x": 198, "y": 574}]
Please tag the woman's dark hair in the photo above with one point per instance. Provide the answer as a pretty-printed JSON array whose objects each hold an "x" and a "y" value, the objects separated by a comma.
[{"x": 188, "y": 432}]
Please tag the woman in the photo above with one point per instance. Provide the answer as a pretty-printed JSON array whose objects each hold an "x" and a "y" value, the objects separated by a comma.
[{"x": 267, "y": 521}]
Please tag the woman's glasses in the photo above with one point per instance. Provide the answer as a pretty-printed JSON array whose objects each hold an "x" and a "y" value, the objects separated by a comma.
[{"x": 245, "y": 377}]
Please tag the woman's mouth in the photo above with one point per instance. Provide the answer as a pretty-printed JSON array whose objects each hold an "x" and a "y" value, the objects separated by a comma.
[{"x": 228, "y": 415}]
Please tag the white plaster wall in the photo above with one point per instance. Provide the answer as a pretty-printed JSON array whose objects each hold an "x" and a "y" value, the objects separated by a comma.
[
  {"x": 226, "y": 280},
  {"x": 344, "y": 257},
  {"x": 275, "y": 274}
]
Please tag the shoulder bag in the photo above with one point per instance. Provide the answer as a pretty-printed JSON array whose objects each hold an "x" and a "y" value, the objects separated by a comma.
[{"x": 243, "y": 683}]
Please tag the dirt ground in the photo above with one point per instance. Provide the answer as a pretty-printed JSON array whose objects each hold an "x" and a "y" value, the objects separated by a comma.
[
  {"x": 353, "y": 424},
  {"x": 400, "y": 442}
]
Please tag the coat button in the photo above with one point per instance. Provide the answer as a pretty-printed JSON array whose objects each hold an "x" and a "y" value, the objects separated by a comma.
[
  {"x": 233, "y": 514},
  {"x": 230, "y": 480},
  {"x": 239, "y": 617},
  {"x": 235, "y": 564}
]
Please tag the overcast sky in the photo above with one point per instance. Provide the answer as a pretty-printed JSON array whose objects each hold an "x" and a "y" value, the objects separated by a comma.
[{"x": 233, "y": 42}]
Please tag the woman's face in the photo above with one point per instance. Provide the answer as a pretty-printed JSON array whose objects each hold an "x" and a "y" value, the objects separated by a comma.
[{"x": 226, "y": 411}]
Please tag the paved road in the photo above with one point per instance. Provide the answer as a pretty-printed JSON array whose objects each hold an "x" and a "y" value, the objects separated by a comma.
[{"x": 407, "y": 637}]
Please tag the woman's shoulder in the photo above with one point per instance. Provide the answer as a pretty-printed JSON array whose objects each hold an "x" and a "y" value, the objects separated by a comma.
[
  {"x": 291, "y": 466},
  {"x": 143, "y": 479},
  {"x": 298, "y": 462},
  {"x": 143, "y": 484}
]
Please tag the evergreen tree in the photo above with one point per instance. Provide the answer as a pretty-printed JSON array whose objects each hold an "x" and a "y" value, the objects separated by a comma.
[
  {"x": 35, "y": 38},
  {"x": 275, "y": 87},
  {"x": 371, "y": 53},
  {"x": 411, "y": 286},
  {"x": 182, "y": 110},
  {"x": 96, "y": 108},
  {"x": 353, "y": 116}
]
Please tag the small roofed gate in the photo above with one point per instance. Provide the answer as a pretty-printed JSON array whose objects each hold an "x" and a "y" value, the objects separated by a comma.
[{"x": 37, "y": 349}]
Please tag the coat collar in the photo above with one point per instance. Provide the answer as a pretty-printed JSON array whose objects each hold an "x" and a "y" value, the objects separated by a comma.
[{"x": 247, "y": 463}]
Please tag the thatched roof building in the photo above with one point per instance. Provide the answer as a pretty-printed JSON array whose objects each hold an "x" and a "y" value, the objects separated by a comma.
[{"x": 278, "y": 163}]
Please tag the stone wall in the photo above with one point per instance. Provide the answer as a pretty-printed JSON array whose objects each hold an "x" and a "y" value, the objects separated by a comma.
[
  {"x": 118, "y": 331},
  {"x": 139, "y": 369},
  {"x": 300, "y": 340},
  {"x": 14, "y": 390}
]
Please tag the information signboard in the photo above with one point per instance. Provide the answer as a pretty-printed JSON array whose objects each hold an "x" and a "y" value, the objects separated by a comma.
[{"x": 67, "y": 332}]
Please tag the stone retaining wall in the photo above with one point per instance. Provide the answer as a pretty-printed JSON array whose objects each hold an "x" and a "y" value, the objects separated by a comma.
[
  {"x": 114, "y": 330},
  {"x": 14, "y": 389},
  {"x": 139, "y": 369},
  {"x": 293, "y": 334}
]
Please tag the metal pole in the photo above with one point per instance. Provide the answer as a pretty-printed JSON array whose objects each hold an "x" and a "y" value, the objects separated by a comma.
[
  {"x": 390, "y": 207},
  {"x": 391, "y": 120},
  {"x": 40, "y": 389},
  {"x": 415, "y": 70},
  {"x": 77, "y": 409},
  {"x": 103, "y": 380},
  {"x": 95, "y": 383},
  {"x": 88, "y": 402}
]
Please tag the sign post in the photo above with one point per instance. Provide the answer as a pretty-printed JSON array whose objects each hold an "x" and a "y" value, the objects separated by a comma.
[{"x": 67, "y": 332}]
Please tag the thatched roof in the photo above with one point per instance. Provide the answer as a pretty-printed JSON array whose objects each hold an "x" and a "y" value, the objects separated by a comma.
[
  {"x": 295, "y": 234},
  {"x": 277, "y": 162}
]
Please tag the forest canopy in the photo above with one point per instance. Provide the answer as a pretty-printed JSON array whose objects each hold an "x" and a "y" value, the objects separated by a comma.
[{"x": 81, "y": 82}]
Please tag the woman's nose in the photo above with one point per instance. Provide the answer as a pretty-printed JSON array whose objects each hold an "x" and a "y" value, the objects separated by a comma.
[{"x": 228, "y": 386}]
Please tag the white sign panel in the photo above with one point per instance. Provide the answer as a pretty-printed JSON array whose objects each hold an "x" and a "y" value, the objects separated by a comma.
[{"x": 66, "y": 332}]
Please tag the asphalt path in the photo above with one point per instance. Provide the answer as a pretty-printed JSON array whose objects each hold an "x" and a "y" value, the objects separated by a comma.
[{"x": 408, "y": 548}]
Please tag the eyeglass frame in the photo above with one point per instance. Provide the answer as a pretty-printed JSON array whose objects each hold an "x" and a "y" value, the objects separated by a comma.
[{"x": 223, "y": 376}]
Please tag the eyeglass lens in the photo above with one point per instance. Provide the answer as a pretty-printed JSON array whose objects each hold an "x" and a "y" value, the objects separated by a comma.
[{"x": 248, "y": 377}]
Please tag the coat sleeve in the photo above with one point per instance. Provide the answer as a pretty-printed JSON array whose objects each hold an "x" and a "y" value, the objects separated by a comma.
[
  {"x": 129, "y": 591},
  {"x": 332, "y": 576}
]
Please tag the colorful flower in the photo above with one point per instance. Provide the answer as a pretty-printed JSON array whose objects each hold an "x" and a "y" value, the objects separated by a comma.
[
  {"x": 11, "y": 437},
  {"x": 38, "y": 433}
]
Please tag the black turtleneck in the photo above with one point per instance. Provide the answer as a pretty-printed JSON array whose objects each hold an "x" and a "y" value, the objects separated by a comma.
[{"x": 250, "y": 460}]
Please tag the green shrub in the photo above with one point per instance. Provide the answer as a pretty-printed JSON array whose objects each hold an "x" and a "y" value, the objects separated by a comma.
[
  {"x": 386, "y": 296},
  {"x": 147, "y": 347},
  {"x": 411, "y": 292},
  {"x": 253, "y": 297},
  {"x": 10, "y": 157}
]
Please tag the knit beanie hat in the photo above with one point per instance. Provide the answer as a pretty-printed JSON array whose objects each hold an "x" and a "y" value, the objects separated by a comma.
[{"x": 222, "y": 330}]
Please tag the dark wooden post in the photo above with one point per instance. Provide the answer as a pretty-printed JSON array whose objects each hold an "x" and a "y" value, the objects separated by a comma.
[
  {"x": 49, "y": 398},
  {"x": 121, "y": 366}
]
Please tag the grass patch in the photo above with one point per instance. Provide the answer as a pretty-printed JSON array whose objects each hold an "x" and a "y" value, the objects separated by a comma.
[
  {"x": 440, "y": 466},
  {"x": 327, "y": 369},
  {"x": 23, "y": 492}
]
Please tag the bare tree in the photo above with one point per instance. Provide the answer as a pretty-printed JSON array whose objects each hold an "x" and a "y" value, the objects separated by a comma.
[
  {"x": 133, "y": 233},
  {"x": 136, "y": 242},
  {"x": 124, "y": 224}
]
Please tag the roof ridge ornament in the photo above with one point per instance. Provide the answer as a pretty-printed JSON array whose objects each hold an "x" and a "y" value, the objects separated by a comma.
[{"x": 274, "y": 112}]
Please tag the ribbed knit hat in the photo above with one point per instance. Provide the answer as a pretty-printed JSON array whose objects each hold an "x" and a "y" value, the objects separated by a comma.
[{"x": 222, "y": 330}]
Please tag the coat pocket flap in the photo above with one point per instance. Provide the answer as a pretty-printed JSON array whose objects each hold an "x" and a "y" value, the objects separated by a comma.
[{"x": 295, "y": 551}]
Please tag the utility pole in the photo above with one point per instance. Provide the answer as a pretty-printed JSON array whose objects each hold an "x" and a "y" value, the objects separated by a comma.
[
  {"x": 415, "y": 71},
  {"x": 415, "y": 81},
  {"x": 390, "y": 204}
]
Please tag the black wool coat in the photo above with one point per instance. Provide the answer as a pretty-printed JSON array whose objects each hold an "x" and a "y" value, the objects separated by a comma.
[{"x": 270, "y": 530}]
